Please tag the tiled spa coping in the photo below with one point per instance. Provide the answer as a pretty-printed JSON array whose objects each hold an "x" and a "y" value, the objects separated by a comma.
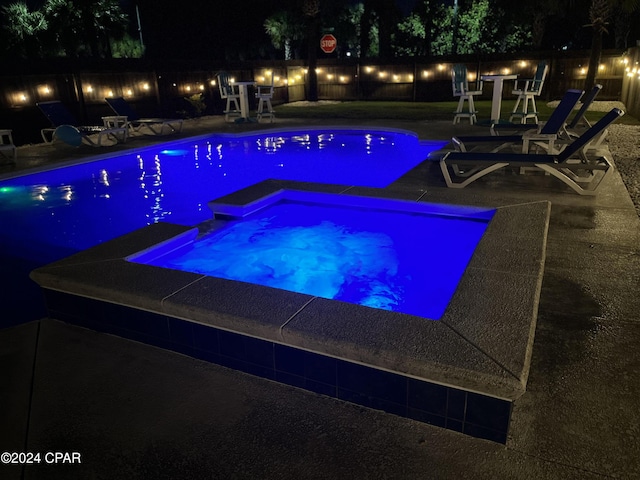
[{"x": 461, "y": 372}]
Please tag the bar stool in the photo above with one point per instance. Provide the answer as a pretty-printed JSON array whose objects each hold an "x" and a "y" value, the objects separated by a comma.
[
  {"x": 460, "y": 84},
  {"x": 527, "y": 92},
  {"x": 264, "y": 94}
]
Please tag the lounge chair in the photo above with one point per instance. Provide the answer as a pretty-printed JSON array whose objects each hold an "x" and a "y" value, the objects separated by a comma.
[
  {"x": 547, "y": 133},
  {"x": 461, "y": 88},
  {"x": 66, "y": 129},
  {"x": 527, "y": 90},
  {"x": 581, "y": 173},
  {"x": 154, "y": 125},
  {"x": 579, "y": 121}
]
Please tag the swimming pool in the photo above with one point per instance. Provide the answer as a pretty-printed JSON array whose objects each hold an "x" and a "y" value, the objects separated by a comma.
[
  {"x": 57, "y": 212},
  {"x": 374, "y": 252}
]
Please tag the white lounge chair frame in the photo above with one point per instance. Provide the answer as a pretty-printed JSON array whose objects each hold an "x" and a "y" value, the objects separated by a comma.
[
  {"x": 157, "y": 126},
  {"x": 65, "y": 129},
  {"x": 544, "y": 135},
  {"x": 581, "y": 173}
]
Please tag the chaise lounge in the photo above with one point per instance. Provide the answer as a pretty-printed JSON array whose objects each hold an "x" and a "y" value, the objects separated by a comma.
[
  {"x": 135, "y": 124},
  {"x": 66, "y": 129},
  {"x": 547, "y": 133},
  {"x": 572, "y": 166}
]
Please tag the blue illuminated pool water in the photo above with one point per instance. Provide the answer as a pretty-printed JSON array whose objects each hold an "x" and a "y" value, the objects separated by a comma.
[
  {"x": 79, "y": 206},
  {"x": 385, "y": 258},
  {"x": 49, "y": 215}
]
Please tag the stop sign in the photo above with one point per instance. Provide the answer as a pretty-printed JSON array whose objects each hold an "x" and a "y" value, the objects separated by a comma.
[{"x": 328, "y": 43}]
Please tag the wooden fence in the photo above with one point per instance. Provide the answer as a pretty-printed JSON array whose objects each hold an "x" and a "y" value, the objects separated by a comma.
[
  {"x": 161, "y": 90},
  {"x": 630, "y": 95}
]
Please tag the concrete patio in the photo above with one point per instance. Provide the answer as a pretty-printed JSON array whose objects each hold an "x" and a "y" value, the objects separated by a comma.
[{"x": 135, "y": 411}]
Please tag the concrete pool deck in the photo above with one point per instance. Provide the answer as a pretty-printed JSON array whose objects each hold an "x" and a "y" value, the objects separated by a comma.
[{"x": 140, "y": 412}]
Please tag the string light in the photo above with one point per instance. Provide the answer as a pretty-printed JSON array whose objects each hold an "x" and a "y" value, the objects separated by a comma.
[{"x": 622, "y": 66}]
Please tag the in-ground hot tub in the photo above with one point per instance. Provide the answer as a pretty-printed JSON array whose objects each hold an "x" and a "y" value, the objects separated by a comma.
[
  {"x": 375, "y": 252},
  {"x": 461, "y": 372}
]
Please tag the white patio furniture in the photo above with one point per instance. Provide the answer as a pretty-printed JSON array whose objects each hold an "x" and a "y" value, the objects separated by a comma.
[
  {"x": 527, "y": 90},
  {"x": 264, "y": 94},
  {"x": 230, "y": 92},
  {"x": 461, "y": 89}
]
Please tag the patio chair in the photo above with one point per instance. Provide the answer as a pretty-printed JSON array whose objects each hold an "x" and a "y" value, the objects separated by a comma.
[
  {"x": 7, "y": 145},
  {"x": 264, "y": 94},
  {"x": 66, "y": 129},
  {"x": 461, "y": 89},
  {"x": 545, "y": 135},
  {"x": 135, "y": 124},
  {"x": 527, "y": 90},
  {"x": 230, "y": 93},
  {"x": 572, "y": 165},
  {"x": 579, "y": 121}
]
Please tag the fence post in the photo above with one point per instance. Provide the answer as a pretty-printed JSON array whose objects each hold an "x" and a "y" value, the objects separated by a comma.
[
  {"x": 630, "y": 94},
  {"x": 77, "y": 87},
  {"x": 414, "y": 82}
]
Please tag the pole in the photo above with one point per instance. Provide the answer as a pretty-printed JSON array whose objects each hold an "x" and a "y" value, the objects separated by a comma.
[{"x": 139, "y": 28}]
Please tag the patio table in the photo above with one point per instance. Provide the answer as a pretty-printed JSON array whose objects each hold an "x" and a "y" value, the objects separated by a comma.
[
  {"x": 243, "y": 89},
  {"x": 496, "y": 102}
]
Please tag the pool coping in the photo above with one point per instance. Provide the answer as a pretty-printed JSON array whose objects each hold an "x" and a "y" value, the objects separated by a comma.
[{"x": 482, "y": 344}]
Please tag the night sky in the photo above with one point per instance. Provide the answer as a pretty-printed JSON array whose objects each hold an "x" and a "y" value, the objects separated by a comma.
[
  {"x": 207, "y": 29},
  {"x": 213, "y": 29}
]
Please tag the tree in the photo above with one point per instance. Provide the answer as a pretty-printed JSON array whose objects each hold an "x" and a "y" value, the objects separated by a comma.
[
  {"x": 311, "y": 11},
  {"x": 127, "y": 47},
  {"x": 348, "y": 28},
  {"x": 388, "y": 17},
  {"x": 64, "y": 28},
  {"x": 598, "y": 15},
  {"x": 455, "y": 23},
  {"x": 284, "y": 28},
  {"x": 625, "y": 14},
  {"x": 383, "y": 15},
  {"x": 412, "y": 37},
  {"x": 541, "y": 19},
  {"x": 62, "y": 35},
  {"x": 22, "y": 29},
  {"x": 481, "y": 29}
]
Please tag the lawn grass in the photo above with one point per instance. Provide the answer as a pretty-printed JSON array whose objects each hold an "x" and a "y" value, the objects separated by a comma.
[{"x": 415, "y": 111}]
